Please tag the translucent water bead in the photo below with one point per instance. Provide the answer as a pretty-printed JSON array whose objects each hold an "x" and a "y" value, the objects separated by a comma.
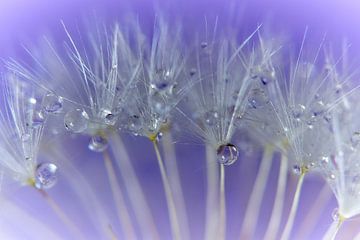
[
  {"x": 45, "y": 175},
  {"x": 158, "y": 103},
  {"x": 98, "y": 144},
  {"x": 162, "y": 80},
  {"x": 52, "y": 103},
  {"x": 76, "y": 121},
  {"x": 257, "y": 98},
  {"x": 227, "y": 154},
  {"x": 108, "y": 117},
  {"x": 211, "y": 118}
]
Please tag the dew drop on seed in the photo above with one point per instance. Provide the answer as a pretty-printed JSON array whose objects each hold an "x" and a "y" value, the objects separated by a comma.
[
  {"x": 211, "y": 118},
  {"x": 192, "y": 72},
  {"x": 318, "y": 108},
  {"x": 108, "y": 117},
  {"x": 298, "y": 112},
  {"x": 331, "y": 176},
  {"x": 203, "y": 45},
  {"x": 296, "y": 169},
  {"x": 227, "y": 154},
  {"x": 162, "y": 80},
  {"x": 98, "y": 143},
  {"x": 52, "y": 103},
  {"x": 324, "y": 161},
  {"x": 158, "y": 104},
  {"x": 355, "y": 139},
  {"x": 134, "y": 123},
  {"x": 159, "y": 136},
  {"x": 38, "y": 119},
  {"x": 76, "y": 120},
  {"x": 257, "y": 98},
  {"x": 335, "y": 214},
  {"x": 45, "y": 175}
]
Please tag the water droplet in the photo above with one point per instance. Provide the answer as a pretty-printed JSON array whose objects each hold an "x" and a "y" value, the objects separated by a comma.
[
  {"x": 211, "y": 118},
  {"x": 108, "y": 117},
  {"x": 134, "y": 124},
  {"x": 355, "y": 139},
  {"x": 52, "y": 103},
  {"x": 45, "y": 175},
  {"x": 158, "y": 104},
  {"x": 162, "y": 80},
  {"x": 324, "y": 161},
  {"x": 203, "y": 45},
  {"x": 318, "y": 108},
  {"x": 257, "y": 98},
  {"x": 335, "y": 214},
  {"x": 98, "y": 143},
  {"x": 38, "y": 119},
  {"x": 227, "y": 154},
  {"x": 192, "y": 71},
  {"x": 159, "y": 136},
  {"x": 32, "y": 101},
  {"x": 298, "y": 112},
  {"x": 296, "y": 170},
  {"x": 331, "y": 176},
  {"x": 76, "y": 121}
]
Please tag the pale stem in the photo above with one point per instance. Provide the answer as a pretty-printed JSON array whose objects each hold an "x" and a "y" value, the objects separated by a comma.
[
  {"x": 333, "y": 229},
  {"x": 211, "y": 211},
  {"x": 222, "y": 225},
  {"x": 257, "y": 194},
  {"x": 277, "y": 211},
  {"x": 136, "y": 195},
  {"x": 85, "y": 193},
  {"x": 121, "y": 209},
  {"x": 168, "y": 195},
  {"x": 293, "y": 210},
  {"x": 175, "y": 182},
  {"x": 61, "y": 214},
  {"x": 314, "y": 214}
]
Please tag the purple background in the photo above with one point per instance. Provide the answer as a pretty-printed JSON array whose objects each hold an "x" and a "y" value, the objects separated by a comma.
[{"x": 25, "y": 21}]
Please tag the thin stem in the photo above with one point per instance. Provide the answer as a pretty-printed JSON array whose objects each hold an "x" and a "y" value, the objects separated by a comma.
[
  {"x": 333, "y": 229},
  {"x": 255, "y": 200},
  {"x": 133, "y": 188},
  {"x": 293, "y": 210},
  {"x": 175, "y": 182},
  {"x": 168, "y": 195},
  {"x": 212, "y": 211},
  {"x": 275, "y": 219},
  {"x": 222, "y": 225},
  {"x": 314, "y": 214},
  {"x": 61, "y": 214},
  {"x": 121, "y": 209}
]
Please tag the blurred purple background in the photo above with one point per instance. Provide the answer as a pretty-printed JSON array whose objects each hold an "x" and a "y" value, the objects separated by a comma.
[{"x": 23, "y": 21}]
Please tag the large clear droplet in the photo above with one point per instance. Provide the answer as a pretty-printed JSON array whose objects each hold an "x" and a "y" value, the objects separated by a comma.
[
  {"x": 318, "y": 108},
  {"x": 52, "y": 103},
  {"x": 76, "y": 121},
  {"x": 98, "y": 144},
  {"x": 296, "y": 169},
  {"x": 227, "y": 154},
  {"x": 211, "y": 118},
  {"x": 162, "y": 80},
  {"x": 298, "y": 112},
  {"x": 134, "y": 124},
  {"x": 45, "y": 175},
  {"x": 38, "y": 119},
  {"x": 108, "y": 117},
  {"x": 257, "y": 98},
  {"x": 159, "y": 104}
]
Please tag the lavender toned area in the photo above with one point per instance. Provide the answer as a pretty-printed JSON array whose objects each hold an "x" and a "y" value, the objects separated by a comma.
[{"x": 179, "y": 119}]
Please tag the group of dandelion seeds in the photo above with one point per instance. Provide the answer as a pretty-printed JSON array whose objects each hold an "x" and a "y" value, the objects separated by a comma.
[{"x": 116, "y": 80}]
